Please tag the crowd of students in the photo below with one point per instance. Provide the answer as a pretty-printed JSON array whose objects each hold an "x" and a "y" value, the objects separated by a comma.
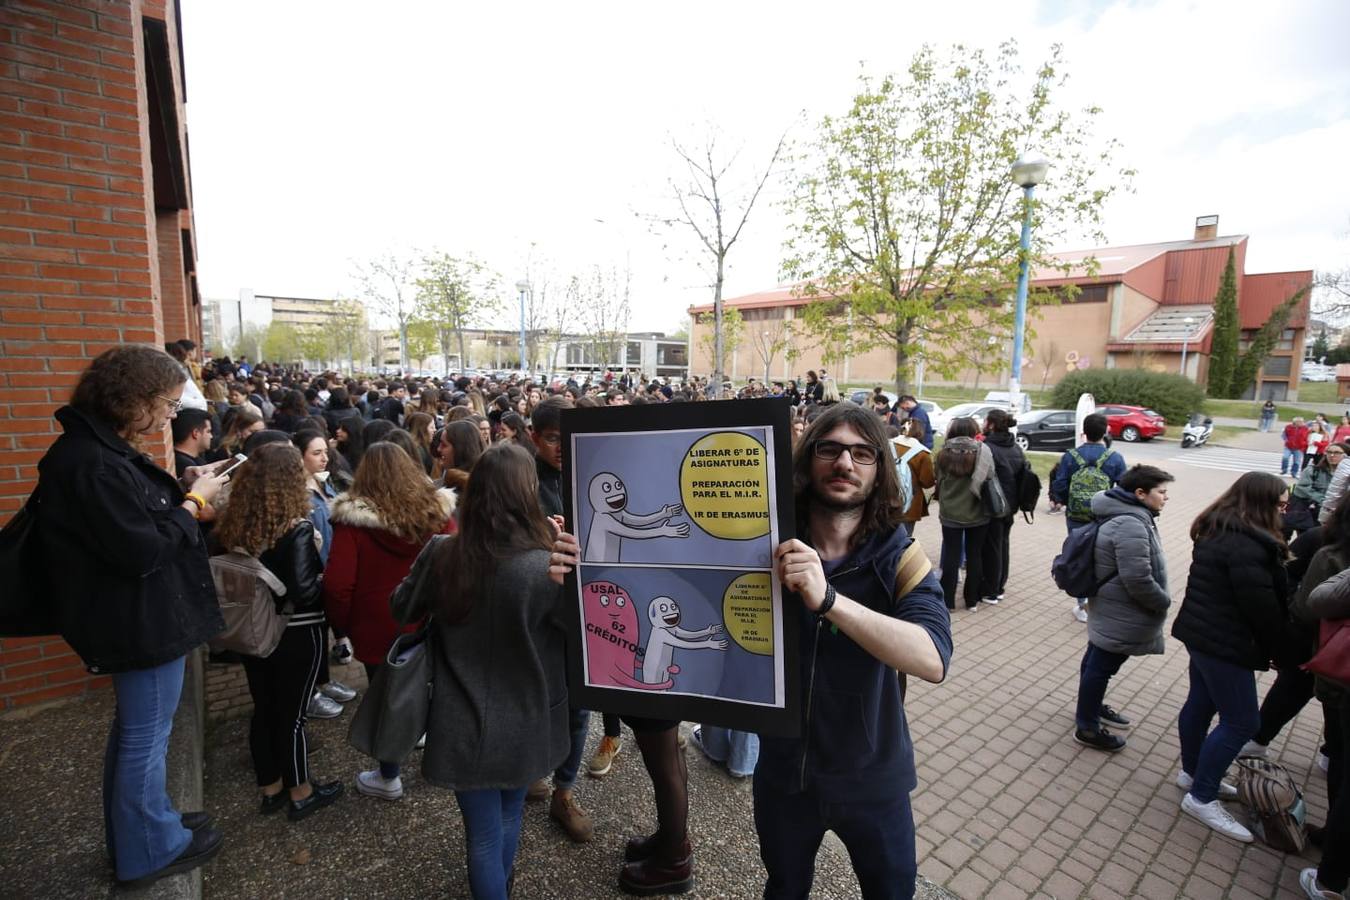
[{"x": 379, "y": 502}]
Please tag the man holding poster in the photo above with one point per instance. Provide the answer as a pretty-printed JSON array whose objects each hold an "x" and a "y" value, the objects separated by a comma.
[{"x": 870, "y": 607}]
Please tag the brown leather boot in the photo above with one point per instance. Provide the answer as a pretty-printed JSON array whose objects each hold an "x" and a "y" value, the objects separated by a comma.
[
  {"x": 656, "y": 875},
  {"x": 567, "y": 812}
]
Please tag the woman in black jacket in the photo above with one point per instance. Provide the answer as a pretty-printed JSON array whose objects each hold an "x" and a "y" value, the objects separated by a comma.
[
  {"x": 127, "y": 567},
  {"x": 1233, "y": 621},
  {"x": 1009, "y": 461},
  {"x": 268, "y": 517}
]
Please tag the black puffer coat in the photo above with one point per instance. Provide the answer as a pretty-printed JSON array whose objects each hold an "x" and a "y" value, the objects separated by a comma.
[
  {"x": 1236, "y": 604},
  {"x": 126, "y": 564}
]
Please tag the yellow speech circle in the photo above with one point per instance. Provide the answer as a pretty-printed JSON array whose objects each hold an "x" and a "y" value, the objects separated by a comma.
[
  {"x": 747, "y": 610},
  {"x": 724, "y": 483}
]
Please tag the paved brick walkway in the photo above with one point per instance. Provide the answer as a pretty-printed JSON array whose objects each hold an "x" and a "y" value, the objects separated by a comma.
[{"x": 1009, "y": 806}]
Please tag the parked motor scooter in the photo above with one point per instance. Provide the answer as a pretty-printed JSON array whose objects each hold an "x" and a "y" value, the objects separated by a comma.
[{"x": 1197, "y": 430}]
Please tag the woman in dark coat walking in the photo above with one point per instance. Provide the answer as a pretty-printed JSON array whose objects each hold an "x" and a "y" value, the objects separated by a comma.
[
  {"x": 1233, "y": 621},
  {"x": 130, "y": 574},
  {"x": 1009, "y": 461}
]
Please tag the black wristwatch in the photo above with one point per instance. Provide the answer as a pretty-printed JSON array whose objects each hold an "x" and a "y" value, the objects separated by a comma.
[{"x": 828, "y": 603}]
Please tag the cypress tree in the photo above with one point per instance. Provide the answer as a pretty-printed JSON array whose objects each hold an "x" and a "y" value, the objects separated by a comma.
[{"x": 1223, "y": 349}]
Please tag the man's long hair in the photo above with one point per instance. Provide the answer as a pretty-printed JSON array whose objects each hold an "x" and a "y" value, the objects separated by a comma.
[{"x": 881, "y": 512}]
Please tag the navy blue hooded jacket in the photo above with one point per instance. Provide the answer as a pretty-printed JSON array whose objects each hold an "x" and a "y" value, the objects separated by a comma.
[{"x": 855, "y": 743}]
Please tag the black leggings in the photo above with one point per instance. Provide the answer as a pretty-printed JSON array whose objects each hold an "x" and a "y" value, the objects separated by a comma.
[
  {"x": 952, "y": 537},
  {"x": 1292, "y": 690},
  {"x": 1334, "y": 872},
  {"x": 281, "y": 685},
  {"x": 997, "y": 554}
]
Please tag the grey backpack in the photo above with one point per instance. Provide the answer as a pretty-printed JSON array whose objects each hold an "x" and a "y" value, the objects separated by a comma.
[{"x": 247, "y": 592}]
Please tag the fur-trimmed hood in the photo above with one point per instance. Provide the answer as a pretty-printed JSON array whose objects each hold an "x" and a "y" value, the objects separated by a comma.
[{"x": 358, "y": 513}]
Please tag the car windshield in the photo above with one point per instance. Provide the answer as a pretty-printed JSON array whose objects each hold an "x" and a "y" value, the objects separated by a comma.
[{"x": 1152, "y": 413}]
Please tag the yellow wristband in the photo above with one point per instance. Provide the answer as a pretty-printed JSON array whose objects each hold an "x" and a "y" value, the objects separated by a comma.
[{"x": 197, "y": 499}]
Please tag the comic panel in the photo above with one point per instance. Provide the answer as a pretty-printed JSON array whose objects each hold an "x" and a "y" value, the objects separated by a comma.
[
  {"x": 691, "y": 632},
  {"x": 697, "y": 495}
]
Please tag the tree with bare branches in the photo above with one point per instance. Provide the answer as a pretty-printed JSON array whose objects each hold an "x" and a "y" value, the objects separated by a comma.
[
  {"x": 715, "y": 209},
  {"x": 387, "y": 283}
]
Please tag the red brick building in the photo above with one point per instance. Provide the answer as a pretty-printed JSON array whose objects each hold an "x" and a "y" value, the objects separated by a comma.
[{"x": 96, "y": 235}]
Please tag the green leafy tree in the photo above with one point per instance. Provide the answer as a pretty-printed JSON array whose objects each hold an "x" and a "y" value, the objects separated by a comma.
[
  {"x": 906, "y": 221},
  {"x": 733, "y": 332},
  {"x": 452, "y": 295},
  {"x": 1244, "y": 373},
  {"x": 1321, "y": 346},
  {"x": 349, "y": 332},
  {"x": 422, "y": 340},
  {"x": 387, "y": 283},
  {"x": 1223, "y": 352},
  {"x": 281, "y": 344},
  {"x": 314, "y": 343}
]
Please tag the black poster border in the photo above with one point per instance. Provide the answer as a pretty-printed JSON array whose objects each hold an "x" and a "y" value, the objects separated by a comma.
[{"x": 773, "y": 413}]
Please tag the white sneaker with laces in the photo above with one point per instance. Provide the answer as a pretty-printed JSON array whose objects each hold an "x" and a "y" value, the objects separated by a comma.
[
  {"x": 373, "y": 784},
  {"x": 1307, "y": 879},
  {"x": 1080, "y": 613},
  {"x": 1227, "y": 790},
  {"x": 1252, "y": 748},
  {"x": 1216, "y": 816},
  {"x": 320, "y": 707}
]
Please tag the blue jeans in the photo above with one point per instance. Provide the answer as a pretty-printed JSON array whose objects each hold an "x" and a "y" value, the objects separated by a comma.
[
  {"x": 1291, "y": 460},
  {"x": 578, "y": 720},
  {"x": 1266, "y": 422},
  {"x": 491, "y": 834},
  {"x": 1093, "y": 676},
  {"x": 1229, "y": 690},
  {"x": 143, "y": 831},
  {"x": 879, "y": 836},
  {"x": 738, "y": 750}
]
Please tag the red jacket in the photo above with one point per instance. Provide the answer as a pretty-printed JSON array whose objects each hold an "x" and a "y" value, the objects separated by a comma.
[
  {"x": 1296, "y": 437},
  {"x": 365, "y": 564}
]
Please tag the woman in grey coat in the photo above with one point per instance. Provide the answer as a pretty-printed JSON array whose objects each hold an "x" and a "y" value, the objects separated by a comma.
[
  {"x": 1127, "y": 613},
  {"x": 499, "y": 710}
]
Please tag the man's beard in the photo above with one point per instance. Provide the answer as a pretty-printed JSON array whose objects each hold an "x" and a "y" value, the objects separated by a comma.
[{"x": 852, "y": 504}]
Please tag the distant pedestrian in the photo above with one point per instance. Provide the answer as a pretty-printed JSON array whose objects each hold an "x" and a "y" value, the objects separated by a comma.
[
  {"x": 1295, "y": 436},
  {"x": 1129, "y": 610},
  {"x": 913, "y": 410},
  {"x": 913, "y": 469},
  {"x": 1082, "y": 473},
  {"x": 1233, "y": 622},
  {"x": 1267, "y": 414}
]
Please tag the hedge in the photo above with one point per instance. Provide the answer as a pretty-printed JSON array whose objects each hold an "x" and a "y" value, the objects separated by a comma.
[{"x": 1174, "y": 396}]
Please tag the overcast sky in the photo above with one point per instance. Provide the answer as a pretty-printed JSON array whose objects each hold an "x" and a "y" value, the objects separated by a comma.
[{"x": 326, "y": 132}]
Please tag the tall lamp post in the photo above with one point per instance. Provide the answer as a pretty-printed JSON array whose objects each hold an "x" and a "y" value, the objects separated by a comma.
[
  {"x": 1185, "y": 339},
  {"x": 523, "y": 287},
  {"x": 1027, "y": 172}
]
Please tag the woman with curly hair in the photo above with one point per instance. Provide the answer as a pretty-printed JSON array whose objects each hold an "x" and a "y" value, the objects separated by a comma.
[
  {"x": 379, "y": 527},
  {"x": 268, "y": 518},
  {"x": 128, "y": 577}
]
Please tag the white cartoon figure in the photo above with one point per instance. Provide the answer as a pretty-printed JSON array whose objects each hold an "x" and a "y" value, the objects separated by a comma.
[
  {"x": 611, "y": 522},
  {"x": 666, "y": 635}
]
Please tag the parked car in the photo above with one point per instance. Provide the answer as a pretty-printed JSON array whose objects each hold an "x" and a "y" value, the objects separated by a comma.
[
  {"x": 864, "y": 396},
  {"x": 1005, "y": 398},
  {"x": 1046, "y": 429},
  {"x": 1133, "y": 423},
  {"x": 976, "y": 411}
]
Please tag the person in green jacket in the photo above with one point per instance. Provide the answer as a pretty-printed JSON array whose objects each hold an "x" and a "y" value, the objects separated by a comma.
[{"x": 963, "y": 466}]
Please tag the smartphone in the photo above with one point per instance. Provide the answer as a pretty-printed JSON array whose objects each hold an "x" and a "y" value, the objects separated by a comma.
[{"x": 239, "y": 460}]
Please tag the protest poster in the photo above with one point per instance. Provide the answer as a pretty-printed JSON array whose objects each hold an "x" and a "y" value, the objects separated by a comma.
[{"x": 676, "y": 610}]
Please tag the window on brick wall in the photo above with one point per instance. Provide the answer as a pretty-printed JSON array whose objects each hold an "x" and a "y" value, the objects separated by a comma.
[
  {"x": 1286, "y": 341},
  {"x": 1277, "y": 365}
]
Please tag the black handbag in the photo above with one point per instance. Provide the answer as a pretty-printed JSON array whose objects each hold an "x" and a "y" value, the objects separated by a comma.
[
  {"x": 995, "y": 503},
  {"x": 393, "y": 714},
  {"x": 26, "y": 604}
]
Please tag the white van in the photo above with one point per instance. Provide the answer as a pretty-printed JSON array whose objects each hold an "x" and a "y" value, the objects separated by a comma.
[{"x": 1006, "y": 399}]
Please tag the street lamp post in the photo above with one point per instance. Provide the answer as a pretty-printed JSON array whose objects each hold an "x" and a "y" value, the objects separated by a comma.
[
  {"x": 1185, "y": 339},
  {"x": 1027, "y": 172},
  {"x": 523, "y": 287}
]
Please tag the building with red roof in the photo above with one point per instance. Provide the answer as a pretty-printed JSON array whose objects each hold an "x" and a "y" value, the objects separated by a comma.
[{"x": 1137, "y": 306}]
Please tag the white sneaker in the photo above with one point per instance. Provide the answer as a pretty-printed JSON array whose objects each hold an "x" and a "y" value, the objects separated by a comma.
[
  {"x": 1252, "y": 748},
  {"x": 320, "y": 707},
  {"x": 422, "y": 741},
  {"x": 992, "y": 601},
  {"x": 1227, "y": 790},
  {"x": 373, "y": 784},
  {"x": 1080, "y": 613},
  {"x": 336, "y": 690},
  {"x": 1323, "y": 762},
  {"x": 1307, "y": 879},
  {"x": 1216, "y": 816}
]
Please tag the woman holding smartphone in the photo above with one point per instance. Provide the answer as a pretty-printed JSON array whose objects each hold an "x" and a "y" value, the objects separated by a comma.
[{"x": 134, "y": 590}]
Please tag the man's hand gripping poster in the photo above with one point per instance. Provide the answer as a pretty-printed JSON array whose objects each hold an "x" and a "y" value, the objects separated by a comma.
[{"x": 677, "y": 610}]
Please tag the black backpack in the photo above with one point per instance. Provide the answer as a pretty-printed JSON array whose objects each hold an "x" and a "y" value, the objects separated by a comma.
[
  {"x": 26, "y": 607},
  {"x": 1028, "y": 492},
  {"x": 1075, "y": 569}
]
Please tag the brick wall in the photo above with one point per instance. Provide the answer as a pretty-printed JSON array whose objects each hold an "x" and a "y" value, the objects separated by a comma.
[{"x": 79, "y": 238}]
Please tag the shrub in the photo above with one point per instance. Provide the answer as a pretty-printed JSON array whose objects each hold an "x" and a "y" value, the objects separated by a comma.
[{"x": 1174, "y": 396}]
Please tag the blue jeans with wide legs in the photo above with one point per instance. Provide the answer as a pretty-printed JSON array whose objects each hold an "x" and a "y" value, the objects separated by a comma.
[
  {"x": 737, "y": 750},
  {"x": 1291, "y": 460},
  {"x": 144, "y": 832},
  {"x": 878, "y": 834},
  {"x": 491, "y": 834},
  {"x": 1229, "y": 690}
]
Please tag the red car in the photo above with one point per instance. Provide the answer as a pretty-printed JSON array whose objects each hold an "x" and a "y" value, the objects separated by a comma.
[{"x": 1133, "y": 423}]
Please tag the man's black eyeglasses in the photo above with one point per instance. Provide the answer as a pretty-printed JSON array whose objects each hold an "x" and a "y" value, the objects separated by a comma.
[{"x": 862, "y": 454}]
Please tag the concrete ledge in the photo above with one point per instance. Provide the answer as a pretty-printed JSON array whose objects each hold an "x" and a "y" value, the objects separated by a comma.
[{"x": 51, "y": 798}]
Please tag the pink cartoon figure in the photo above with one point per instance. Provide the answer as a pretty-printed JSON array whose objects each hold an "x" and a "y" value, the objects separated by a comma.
[{"x": 611, "y": 625}]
